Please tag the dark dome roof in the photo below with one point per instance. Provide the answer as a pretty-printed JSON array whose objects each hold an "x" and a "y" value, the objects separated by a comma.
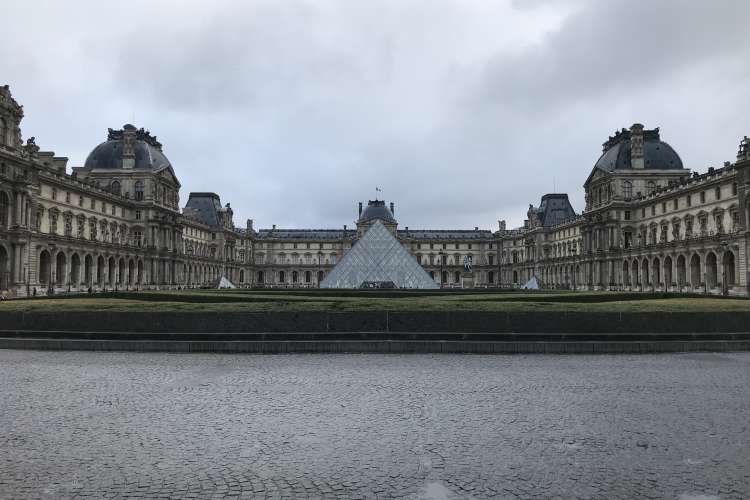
[
  {"x": 147, "y": 150},
  {"x": 657, "y": 154},
  {"x": 376, "y": 210}
]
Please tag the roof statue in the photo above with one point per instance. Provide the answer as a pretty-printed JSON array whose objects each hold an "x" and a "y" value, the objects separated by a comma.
[{"x": 378, "y": 257}]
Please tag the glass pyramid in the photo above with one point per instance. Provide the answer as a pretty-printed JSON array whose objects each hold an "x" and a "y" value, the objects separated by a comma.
[{"x": 378, "y": 257}]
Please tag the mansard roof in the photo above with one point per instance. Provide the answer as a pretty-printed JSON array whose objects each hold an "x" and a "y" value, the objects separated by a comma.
[
  {"x": 146, "y": 149},
  {"x": 204, "y": 208},
  {"x": 657, "y": 154}
]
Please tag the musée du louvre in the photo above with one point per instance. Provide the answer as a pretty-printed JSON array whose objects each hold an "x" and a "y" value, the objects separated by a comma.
[{"x": 116, "y": 223}]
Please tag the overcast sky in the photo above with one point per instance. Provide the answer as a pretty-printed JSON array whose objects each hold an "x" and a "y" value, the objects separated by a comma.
[{"x": 464, "y": 112}]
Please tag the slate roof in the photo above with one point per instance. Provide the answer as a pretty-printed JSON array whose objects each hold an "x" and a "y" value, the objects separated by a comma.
[
  {"x": 657, "y": 154},
  {"x": 203, "y": 207}
]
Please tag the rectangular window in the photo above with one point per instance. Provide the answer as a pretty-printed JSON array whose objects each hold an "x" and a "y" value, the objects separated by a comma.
[
  {"x": 627, "y": 214},
  {"x": 80, "y": 201},
  {"x": 689, "y": 200},
  {"x": 674, "y": 203},
  {"x": 67, "y": 196},
  {"x": 664, "y": 207},
  {"x": 734, "y": 189},
  {"x": 643, "y": 212},
  {"x": 93, "y": 204},
  {"x": 137, "y": 215},
  {"x": 718, "y": 192},
  {"x": 114, "y": 210},
  {"x": 703, "y": 197},
  {"x": 653, "y": 209}
]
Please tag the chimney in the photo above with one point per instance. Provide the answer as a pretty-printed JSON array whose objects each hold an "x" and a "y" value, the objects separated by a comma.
[
  {"x": 501, "y": 224},
  {"x": 128, "y": 146},
  {"x": 249, "y": 225},
  {"x": 476, "y": 228},
  {"x": 636, "y": 146},
  {"x": 393, "y": 211},
  {"x": 360, "y": 209},
  {"x": 273, "y": 228}
]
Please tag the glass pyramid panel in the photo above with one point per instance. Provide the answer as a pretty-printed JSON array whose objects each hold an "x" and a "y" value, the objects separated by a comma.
[{"x": 378, "y": 257}]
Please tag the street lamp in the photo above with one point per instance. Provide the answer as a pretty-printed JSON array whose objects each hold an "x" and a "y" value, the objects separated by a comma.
[
  {"x": 320, "y": 256},
  {"x": 441, "y": 255}
]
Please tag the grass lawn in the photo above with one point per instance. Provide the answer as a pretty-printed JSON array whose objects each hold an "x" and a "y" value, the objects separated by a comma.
[{"x": 204, "y": 301}]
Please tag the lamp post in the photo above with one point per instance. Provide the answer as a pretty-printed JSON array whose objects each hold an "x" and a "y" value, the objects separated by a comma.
[
  {"x": 441, "y": 256},
  {"x": 320, "y": 256},
  {"x": 724, "y": 288}
]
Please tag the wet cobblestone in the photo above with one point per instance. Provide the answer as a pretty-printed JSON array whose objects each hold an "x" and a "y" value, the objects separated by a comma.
[{"x": 130, "y": 425}]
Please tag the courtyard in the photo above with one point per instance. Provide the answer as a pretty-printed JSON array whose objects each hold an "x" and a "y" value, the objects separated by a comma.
[{"x": 115, "y": 425}]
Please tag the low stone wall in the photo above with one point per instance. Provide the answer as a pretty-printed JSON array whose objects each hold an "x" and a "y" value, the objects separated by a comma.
[
  {"x": 381, "y": 321},
  {"x": 375, "y": 346}
]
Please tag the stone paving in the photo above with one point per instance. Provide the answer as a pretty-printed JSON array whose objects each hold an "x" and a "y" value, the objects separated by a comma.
[{"x": 116, "y": 425}]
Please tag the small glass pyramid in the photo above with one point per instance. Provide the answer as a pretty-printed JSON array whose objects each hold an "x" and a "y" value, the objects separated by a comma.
[{"x": 378, "y": 257}]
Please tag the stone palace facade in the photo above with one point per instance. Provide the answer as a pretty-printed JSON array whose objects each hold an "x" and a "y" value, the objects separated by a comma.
[{"x": 116, "y": 223}]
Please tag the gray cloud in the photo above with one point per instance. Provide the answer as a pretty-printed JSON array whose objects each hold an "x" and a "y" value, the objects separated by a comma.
[{"x": 463, "y": 112}]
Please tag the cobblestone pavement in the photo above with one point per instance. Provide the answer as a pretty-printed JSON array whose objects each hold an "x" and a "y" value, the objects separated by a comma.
[{"x": 86, "y": 424}]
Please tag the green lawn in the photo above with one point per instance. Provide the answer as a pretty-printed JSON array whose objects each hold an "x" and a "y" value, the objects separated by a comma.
[{"x": 319, "y": 300}]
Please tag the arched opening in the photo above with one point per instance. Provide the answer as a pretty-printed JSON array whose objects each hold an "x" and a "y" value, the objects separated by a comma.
[
  {"x": 656, "y": 271},
  {"x": 636, "y": 276},
  {"x": 111, "y": 272},
  {"x": 727, "y": 263},
  {"x": 45, "y": 267},
  {"x": 432, "y": 275},
  {"x": 295, "y": 277},
  {"x": 4, "y": 209},
  {"x": 60, "y": 269},
  {"x": 115, "y": 187},
  {"x": 625, "y": 273},
  {"x": 100, "y": 271},
  {"x": 695, "y": 271},
  {"x": 308, "y": 277},
  {"x": 491, "y": 277},
  {"x": 131, "y": 272},
  {"x": 281, "y": 277},
  {"x": 260, "y": 278},
  {"x": 320, "y": 276},
  {"x": 139, "y": 277},
  {"x": 88, "y": 263},
  {"x": 644, "y": 273},
  {"x": 75, "y": 270},
  {"x": 4, "y": 269},
  {"x": 681, "y": 271},
  {"x": 242, "y": 276},
  {"x": 121, "y": 271},
  {"x": 444, "y": 277},
  {"x": 668, "y": 271},
  {"x": 711, "y": 270},
  {"x": 515, "y": 277}
]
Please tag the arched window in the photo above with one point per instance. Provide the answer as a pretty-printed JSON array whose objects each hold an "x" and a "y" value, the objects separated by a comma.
[
  {"x": 138, "y": 191},
  {"x": 260, "y": 277},
  {"x": 627, "y": 189},
  {"x": 115, "y": 187},
  {"x": 4, "y": 209},
  {"x": 650, "y": 187}
]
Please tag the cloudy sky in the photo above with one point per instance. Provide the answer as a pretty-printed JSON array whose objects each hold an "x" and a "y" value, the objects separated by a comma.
[{"x": 464, "y": 112}]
